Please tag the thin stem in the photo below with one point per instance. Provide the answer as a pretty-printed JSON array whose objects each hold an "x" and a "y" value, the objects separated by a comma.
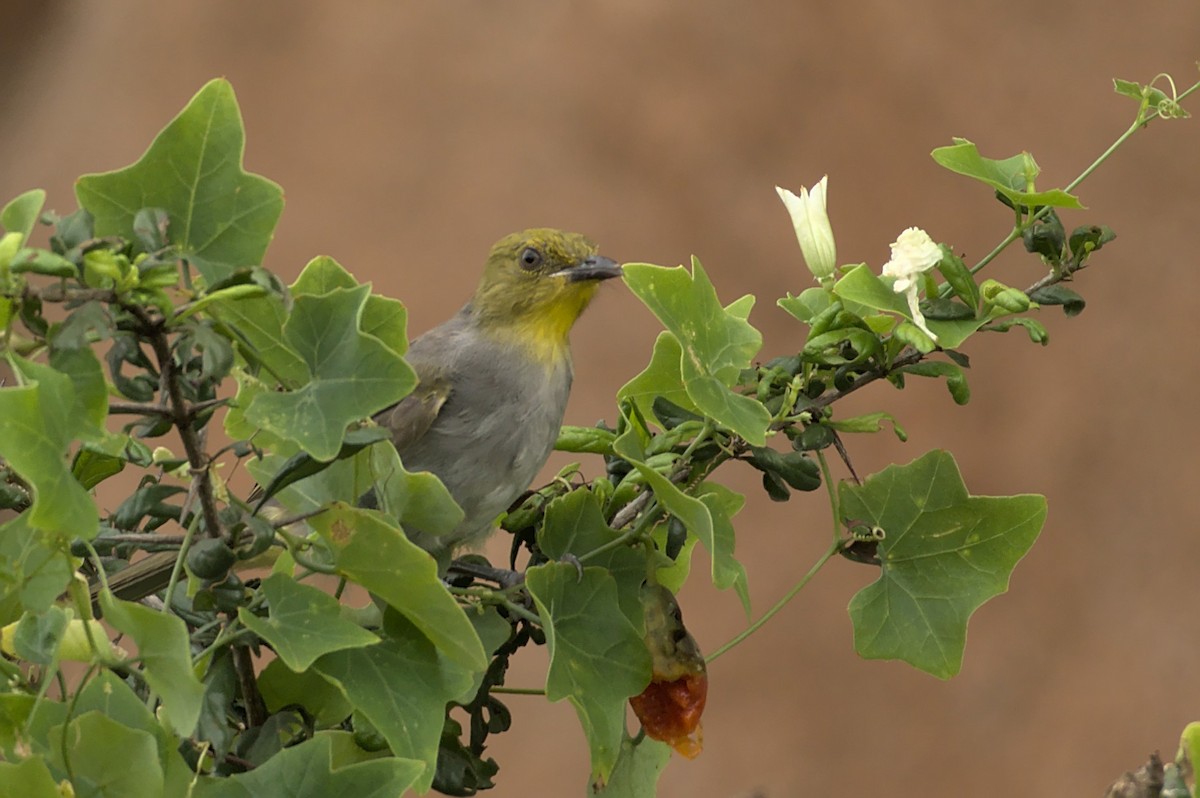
[
  {"x": 779, "y": 605},
  {"x": 178, "y": 565},
  {"x": 518, "y": 690},
  {"x": 834, "y": 547}
]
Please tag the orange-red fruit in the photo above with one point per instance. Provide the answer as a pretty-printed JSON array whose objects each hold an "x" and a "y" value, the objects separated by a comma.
[{"x": 670, "y": 712}]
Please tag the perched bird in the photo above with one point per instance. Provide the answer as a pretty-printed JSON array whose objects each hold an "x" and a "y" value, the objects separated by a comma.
[
  {"x": 492, "y": 388},
  {"x": 494, "y": 379}
]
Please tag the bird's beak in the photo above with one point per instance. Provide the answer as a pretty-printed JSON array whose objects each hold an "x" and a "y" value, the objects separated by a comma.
[{"x": 596, "y": 268}]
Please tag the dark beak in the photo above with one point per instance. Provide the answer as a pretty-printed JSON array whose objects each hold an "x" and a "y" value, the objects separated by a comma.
[{"x": 596, "y": 267}]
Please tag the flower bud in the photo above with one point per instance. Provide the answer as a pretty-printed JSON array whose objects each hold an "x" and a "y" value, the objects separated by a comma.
[{"x": 813, "y": 230}]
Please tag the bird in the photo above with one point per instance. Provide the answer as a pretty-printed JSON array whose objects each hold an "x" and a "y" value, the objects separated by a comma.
[
  {"x": 492, "y": 388},
  {"x": 493, "y": 380}
]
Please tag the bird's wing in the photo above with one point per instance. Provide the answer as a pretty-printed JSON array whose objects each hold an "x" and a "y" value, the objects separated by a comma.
[{"x": 432, "y": 358}]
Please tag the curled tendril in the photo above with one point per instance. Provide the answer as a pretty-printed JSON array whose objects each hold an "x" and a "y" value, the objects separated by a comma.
[{"x": 1168, "y": 107}]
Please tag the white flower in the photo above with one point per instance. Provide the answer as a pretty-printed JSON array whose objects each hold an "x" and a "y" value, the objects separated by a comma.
[
  {"x": 913, "y": 254},
  {"x": 812, "y": 228}
]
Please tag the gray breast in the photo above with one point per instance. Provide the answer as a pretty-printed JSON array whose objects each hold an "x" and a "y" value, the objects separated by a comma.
[{"x": 494, "y": 432}]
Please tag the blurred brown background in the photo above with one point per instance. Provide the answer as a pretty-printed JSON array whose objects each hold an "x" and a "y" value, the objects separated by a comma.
[{"x": 408, "y": 138}]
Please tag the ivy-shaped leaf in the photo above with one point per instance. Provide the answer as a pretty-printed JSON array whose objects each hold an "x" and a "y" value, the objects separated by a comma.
[
  {"x": 304, "y": 623},
  {"x": 1012, "y": 177},
  {"x": 715, "y": 532},
  {"x": 402, "y": 686},
  {"x": 597, "y": 658},
  {"x": 371, "y": 551},
  {"x": 221, "y": 217},
  {"x": 661, "y": 377},
  {"x": 574, "y": 525},
  {"x": 353, "y": 375},
  {"x": 637, "y": 771},
  {"x": 164, "y": 650},
  {"x": 111, "y": 758},
  {"x": 311, "y": 770},
  {"x": 944, "y": 553},
  {"x": 282, "y": 687},
  {"x": 41, "y": 421},
  {"x": 716, "y": 343},
  {"x": 32, "y": 573},
  {"x": 29, "y": 778}
]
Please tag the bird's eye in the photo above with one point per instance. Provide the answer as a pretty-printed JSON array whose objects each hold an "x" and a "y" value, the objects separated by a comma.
[{"x": 531, "y": 258}]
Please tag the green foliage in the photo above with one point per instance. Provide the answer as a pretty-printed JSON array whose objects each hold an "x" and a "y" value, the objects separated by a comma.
[
  {"x": 160, "y": 273},
  {"x": 942, "y": 554},
  {"x": 222, "y": 217}
]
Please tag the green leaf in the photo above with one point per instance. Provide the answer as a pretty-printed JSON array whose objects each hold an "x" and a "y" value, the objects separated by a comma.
[
  {"x": 870, "y": 422},
  {"x": 1037, "y": 333},
  {"x": 696, "y": 515},
  {"x": 310, "y": 770},
  {"x": 41, "y": 423},
  {"x": 113, "y": 698},
  {"x": 661, "y": 378},
  {"x": 865, "y": 288},
  {"x": 164, "y": 650},
  {"x": 1058, "y": 294},
  {"x": 221, "y": 217},
  {"x": 597, "y": 658},
  {"x": 33, "y": 572},
  {"x": 353, "y": 375},
  {"x": 574, "y": 525},
  {"x": 282, "y": 687},
  {"x": 638, "y": 769},
  {"x": 36, "y": 637},
  {"x": 806, "y": 307},
  {"x": 716, "y": 343},
  {"x": 943, "y": 555},
  {"x": 29, "y": 778},
  {"x": 956, "y": 380},
  {"x": 90, "y": 398},
  {"x": 304, "y": 623},
  {"x": 402, "y": 686},
  {"x": 1013, "y": 177},
  {"x": 371, "y": 551},
  {"x": 21, "y": 214},
  {"x": 257, "y": 323},
  {"x": 107, "y": 758},
  {"x": 41, "y": 261}
]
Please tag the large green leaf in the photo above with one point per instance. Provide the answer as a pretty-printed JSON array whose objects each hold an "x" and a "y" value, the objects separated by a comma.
[
  {"x": 113, "y": 698},
  {"x": 402, "y": 686},
  {"x": 638, "y": 769},
  {"x": 574, "y": 526},
  {"x": 41, "y": 422},
  {"x": 281, "y": 687},
  {"x": 303, "y": 623},
  {"x": 371, "y": 551},
  {"x": 717, "y": 343},
  {"x": 944, "y": 553},
  {"x": 32, "y": 572},
  {"x": 1013, "y": 177},
  {"x": 661, "y": 377},
  {"x": 706, "y": 518},
  {"x": 107, "y": 758},
  {"x": 164, "y": 650},
  {"x": 311, "y": 770},
  {"x": 222, "y": 217},
  {"x": 28, "y": 778},
  {"x": 597, "y": 658},
  {"x": 353, "y": 375}
]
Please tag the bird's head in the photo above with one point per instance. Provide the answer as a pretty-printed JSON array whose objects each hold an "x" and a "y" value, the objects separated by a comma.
[{"x": 536, "y": 284}]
